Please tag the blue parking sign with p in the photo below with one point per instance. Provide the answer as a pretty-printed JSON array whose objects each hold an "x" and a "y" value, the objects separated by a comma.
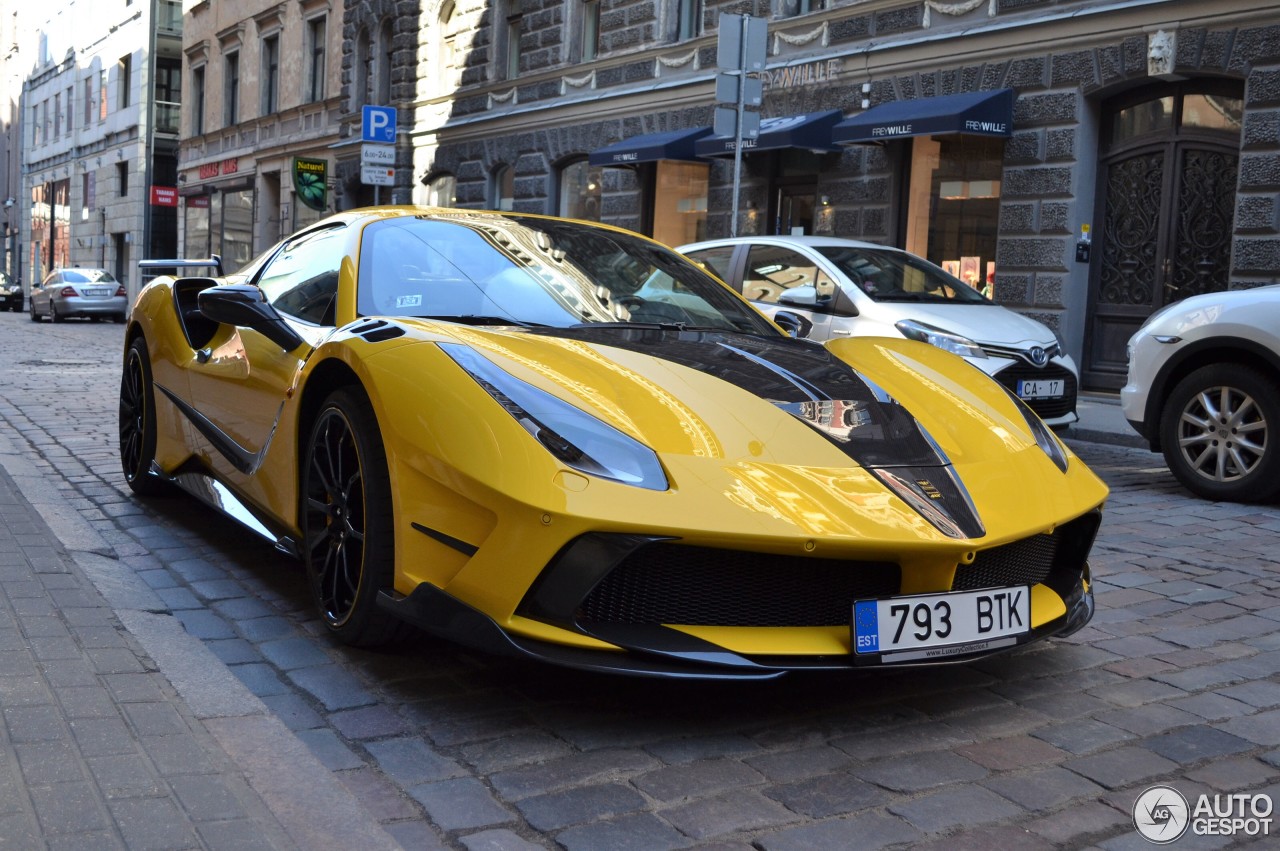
[{"x": 378, "y": 124}]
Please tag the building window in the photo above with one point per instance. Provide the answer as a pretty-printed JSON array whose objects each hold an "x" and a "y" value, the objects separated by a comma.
[
  {"x": 384, "y": 63},
  {"x": 590, "y": 29},
  {"x": 88, "y": 100},
  {"x": 48, "y": 122},
  {"x": 168, "y": 100},
  {"x": 57, "y": 116},
  {"x": 122, "y": 178},
  {"x": 792, "y": 8},
  {"x": 231, "y": 97},
  {"x": 511, "y": 59},
  {"x": 953, "y": 204},
  {"x": 315, "y": 59},
  {"x": 36, "y": 135},
  {"x": 102, "y": 96},
  {"x": 688, "y": 19},
  {"x": 124, "y": 81},
  {"x": 270, "y": 74},
  {"x": 442, "y": 191},
  {"x": 580, "y": 191},
  {"x": 446, "y": 74},
  {"x": 197, "y": 100},
  {"x": 502, "y": 188},
  {"x": 363, "y": 70}
]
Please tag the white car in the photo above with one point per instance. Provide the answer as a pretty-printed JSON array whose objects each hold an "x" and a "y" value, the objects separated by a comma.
[
  {"x": 1204, "y": 389},
  {"x": 845, "y": 288}
]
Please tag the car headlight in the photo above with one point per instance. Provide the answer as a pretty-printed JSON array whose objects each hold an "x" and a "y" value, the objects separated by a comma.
[
  {"x": 573, "y": 436},
  {"x": 1045, "y": 438},
  {"x": 954, "y": 343}
]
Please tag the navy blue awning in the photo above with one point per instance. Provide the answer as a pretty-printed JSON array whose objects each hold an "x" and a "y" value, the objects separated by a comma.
[
  {"x": 670, "y": 145},
  {"x": 987, "y": 113},
  {"x": 811, "y": 131}
]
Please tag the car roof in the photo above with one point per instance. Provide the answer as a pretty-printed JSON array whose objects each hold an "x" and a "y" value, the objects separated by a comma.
[{"x": 785, "y": 239}]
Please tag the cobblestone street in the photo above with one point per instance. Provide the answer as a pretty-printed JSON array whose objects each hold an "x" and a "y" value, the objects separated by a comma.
[{"x": 1176, "y": 680}]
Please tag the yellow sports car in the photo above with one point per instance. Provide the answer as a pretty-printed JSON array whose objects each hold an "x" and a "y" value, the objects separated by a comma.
[{"x": 565, "y": 441}]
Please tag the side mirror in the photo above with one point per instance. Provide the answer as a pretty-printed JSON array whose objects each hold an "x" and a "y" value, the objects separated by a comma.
[
  {"x": 244, "y": 305},
  {"x": 793, "y": 323},
  {"x": 803, "y": 296}
]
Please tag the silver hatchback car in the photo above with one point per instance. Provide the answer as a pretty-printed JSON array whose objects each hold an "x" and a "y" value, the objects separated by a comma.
[{"x": 92, "y": 293}]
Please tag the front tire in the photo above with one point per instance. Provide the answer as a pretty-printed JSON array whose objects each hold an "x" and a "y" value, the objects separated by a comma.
[
  {"x": 138, "y": 422},
  {"x": 35, "y": 317},
  {"x": 348, "y": 534},
  {"x": 1220, "y": 432}
]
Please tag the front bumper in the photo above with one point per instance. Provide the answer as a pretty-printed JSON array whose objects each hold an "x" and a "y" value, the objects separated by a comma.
[{"x": 649, "y": 650}]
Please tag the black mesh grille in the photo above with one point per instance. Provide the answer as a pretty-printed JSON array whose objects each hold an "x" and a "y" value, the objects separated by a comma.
[
  {"x": 1045, "y": 408},
  {"x": 701, "y": 586},
  {"x": 1024, "y": 562}
]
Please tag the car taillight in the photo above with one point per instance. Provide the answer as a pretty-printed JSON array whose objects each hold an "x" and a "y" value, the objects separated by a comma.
[
  {"x": 68, "y": 292},
  {"x": 120, "y": 291}
]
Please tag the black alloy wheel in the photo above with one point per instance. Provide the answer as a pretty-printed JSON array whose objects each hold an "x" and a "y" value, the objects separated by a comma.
[
  {"x": 138, "y": 422},
  {"x": 1220, "y": 432},
  {"x": 348, "y": 535}
]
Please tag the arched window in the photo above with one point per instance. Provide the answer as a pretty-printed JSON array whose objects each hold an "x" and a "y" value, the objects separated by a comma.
[
  {"x": 580, "y": 190},
  {"x": 502, "y": 188},
  {"x": 446, "y": 47}
]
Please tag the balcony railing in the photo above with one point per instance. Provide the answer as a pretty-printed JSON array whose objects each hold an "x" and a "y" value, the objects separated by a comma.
[
  {"x": 167, "y": 116},
  {"x": 169, "y": 17}
]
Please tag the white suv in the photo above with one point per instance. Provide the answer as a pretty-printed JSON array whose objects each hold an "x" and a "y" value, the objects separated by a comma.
[
  {"x": 1204, "y": 388},
  {"x": 845, "y": 288}
]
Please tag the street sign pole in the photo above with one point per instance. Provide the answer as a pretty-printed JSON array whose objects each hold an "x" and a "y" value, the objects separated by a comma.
[
  {"x": 737, "y": 138},
  {"x": 740, "y": 52}
]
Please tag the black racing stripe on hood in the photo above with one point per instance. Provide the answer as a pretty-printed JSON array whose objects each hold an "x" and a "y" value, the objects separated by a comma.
[{"x": 803, "y": 379}]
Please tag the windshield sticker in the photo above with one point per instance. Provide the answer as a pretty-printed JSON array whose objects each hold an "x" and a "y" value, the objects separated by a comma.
[{"x": 408, "y": 301}]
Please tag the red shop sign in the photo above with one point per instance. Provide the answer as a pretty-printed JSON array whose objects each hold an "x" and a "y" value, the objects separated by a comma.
[{"x": 164, "y": 196}]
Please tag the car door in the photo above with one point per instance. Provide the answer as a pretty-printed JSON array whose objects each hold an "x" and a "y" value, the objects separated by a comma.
[{"x": 242, "y": 382}]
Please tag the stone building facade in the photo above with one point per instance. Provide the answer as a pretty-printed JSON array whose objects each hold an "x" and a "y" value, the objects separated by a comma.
[{"x": 1140, "y": 163}]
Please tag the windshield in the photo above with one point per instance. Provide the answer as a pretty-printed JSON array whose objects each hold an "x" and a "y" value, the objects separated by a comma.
[
  {"x": 898, "y": 276},
  {"x": 520, "y": 270}
]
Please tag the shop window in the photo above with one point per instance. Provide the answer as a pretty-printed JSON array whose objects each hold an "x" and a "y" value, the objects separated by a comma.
[
  {"x": 237, "y": 229},
  {"x": 680, "y": 202},
  {"x": 953, "y": 205},
  {"x": 580, "y": 191},
  {"x": 196, "y": 232},
  {"x": 502, "y": 188}
]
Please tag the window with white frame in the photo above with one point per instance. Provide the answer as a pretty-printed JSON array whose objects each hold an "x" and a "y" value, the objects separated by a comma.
[
  {"x": 590, "y": 30},
  {"x": 688, "y": 19}
]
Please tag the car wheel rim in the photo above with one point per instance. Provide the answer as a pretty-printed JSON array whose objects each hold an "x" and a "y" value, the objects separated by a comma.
[
  {"x": 335, "y": 521},
  {"x": 133, "y": 412},
  {"x": 1222, "y": 434}
]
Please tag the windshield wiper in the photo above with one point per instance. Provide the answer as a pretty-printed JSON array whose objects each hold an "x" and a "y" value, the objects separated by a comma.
[{"x": 476, "y": 319}]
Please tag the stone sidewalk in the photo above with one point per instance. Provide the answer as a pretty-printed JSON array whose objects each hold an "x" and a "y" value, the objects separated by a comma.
[{"x": 100, "y": 748}]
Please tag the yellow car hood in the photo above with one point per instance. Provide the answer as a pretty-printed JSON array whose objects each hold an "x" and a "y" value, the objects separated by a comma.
[{"x": 929, "y": 427}]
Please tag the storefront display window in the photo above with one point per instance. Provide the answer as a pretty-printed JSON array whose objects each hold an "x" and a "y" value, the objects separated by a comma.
[
  {"x": 680, "y": 202},
  {"x": 196, "y": 239},
  {"x": 580, "y": 191},
  {"x": 237, "y": 229},
  {"x": 953, "y": 205}
]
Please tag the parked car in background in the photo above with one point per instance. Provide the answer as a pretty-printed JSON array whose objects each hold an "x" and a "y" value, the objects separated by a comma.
[
  {"x": 92, "y": 293},
  {"x": 847, "y": 288},
  {"x": 1204, "y": 389},
  {"x": 10, "y": 293}
]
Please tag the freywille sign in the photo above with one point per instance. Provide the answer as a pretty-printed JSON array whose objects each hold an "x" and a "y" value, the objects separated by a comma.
[{"x": 309, "y": 182}]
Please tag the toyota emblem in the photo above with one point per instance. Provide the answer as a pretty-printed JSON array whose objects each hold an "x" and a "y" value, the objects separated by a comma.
[{"x": 1039, "y": 356}]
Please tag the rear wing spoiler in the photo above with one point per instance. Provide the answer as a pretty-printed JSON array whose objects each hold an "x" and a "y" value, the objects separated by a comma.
[{"x": 214, "y": 261}]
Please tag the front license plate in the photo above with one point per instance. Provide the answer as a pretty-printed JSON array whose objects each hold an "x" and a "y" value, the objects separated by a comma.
[
  {"x": 928, "y": 626},
  {"x": 1047, "y": 388}
]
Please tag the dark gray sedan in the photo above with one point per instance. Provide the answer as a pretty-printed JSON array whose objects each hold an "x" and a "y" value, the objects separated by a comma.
[{"x": 92, "y": 293}]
